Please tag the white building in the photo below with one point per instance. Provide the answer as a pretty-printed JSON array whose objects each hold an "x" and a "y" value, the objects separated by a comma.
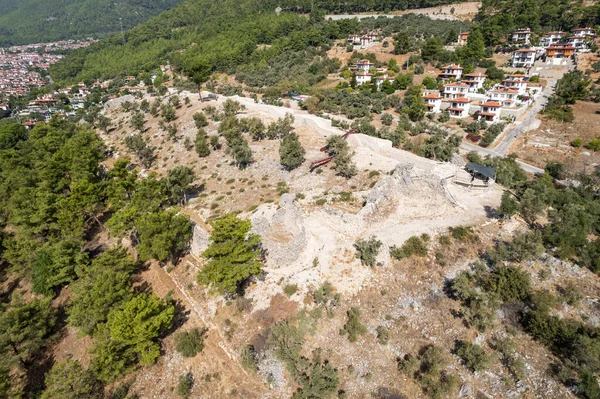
[
  {"x": 584, "y": 32},
  {"x": 516, "y": 82},
  {"x": 363, "y": 77},
  {"x": 521, "y": 36},
  {"x": 490, "y": 111},
  {"x": 506, "y": 96},
  {"x": 523, "y": 58},
  {"x": 364, "y": 40},
  {"x": 551, "y": 38},
  {"x": 474, "y": 80},
  {"x": 451, "y": 71},
  {"x": 380, "y": 79},
  {"x": 364, "y": 65},
  {"x": 433, "y": 101},
  {"x": 459, "y": 107},
  {"x": 578, "y": 42},
  {"x": 455, "y": 90}
]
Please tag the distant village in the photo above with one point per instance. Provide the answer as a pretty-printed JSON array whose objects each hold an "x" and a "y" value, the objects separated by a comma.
[
  {"x": 460, "y": 95},
  {"x": 464, "y": 95},
  {"x": 20, "y": 66}
]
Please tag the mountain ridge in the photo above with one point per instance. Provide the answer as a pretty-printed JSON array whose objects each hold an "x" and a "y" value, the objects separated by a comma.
[{"x": 35, "y": 21}]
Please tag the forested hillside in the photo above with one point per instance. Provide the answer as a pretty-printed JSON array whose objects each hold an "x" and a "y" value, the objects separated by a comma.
[
  {"x": 200, "y": 37},
  {"x": 499, "y": 17},
  {"x": 55, "y": 197},
  {"x": 34, "y": 21}
]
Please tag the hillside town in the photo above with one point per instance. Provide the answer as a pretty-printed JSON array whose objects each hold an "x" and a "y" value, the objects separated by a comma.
[
  {"x": 301, "y": 199},
  {"x": 21, "y": 67}
]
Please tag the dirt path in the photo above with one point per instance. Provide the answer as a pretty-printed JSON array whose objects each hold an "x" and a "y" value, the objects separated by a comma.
[{"x": 450, "y": 12}]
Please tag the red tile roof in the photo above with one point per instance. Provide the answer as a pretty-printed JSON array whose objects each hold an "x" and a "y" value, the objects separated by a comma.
[{"x": 491, "y": 104}]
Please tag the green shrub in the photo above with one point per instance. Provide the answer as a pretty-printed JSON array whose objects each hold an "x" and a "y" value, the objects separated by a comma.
[
  {"x": 555, "y": 169},
  {"x": 317, "y": 380},
  {"x": 509, "y": 283},
  {"x": 577, "y": 143},
  {"x": 286, "y": 341},
  {"x": 428, "y": 370},
  {"x": 383, "y": 335},
  {"x": 185, "y": 384},
  {"x": 190, "y": 343},
  {"x": 353, "y": 327},
  {"x": 321, "y": 201},
  {"x": 324, "y": 296},
  {"x": 249, "y": 359},
  {"x": 463, "y": 233},
  {"x": 444, "y": 240},
  {"x": 571, "y": 293},
  {"x": 413, "y": 246},
  {"x": 290, "y": 289},
  {"x": 367, "y": 250},
  {"x": 473, "y": 355},
  {"x": 408, "y": 365},
  {"x": 440, "y": 258},
  {"x": 593, "y": 144}
]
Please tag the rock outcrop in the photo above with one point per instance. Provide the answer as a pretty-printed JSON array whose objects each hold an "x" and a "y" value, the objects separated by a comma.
[{"x": 282, "y": 230}]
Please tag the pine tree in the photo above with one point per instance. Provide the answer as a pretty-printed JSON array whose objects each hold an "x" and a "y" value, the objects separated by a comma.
[
  {"x": 291, "y": 152},
  {"x": 233, "y": 255},
  {"x": 201, "y": 144},
  {"x": 401, "y": 43},
  {"x": 69, "y": 379},
  {"x": 200, "y": 120},
  {"x": 344, "y": 165}
]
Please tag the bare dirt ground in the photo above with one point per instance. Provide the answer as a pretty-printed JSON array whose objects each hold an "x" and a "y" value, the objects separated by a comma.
[
  {"x": 585, "y": 61},
  {"x": 462, "y": 11},
  {"x": 310, "y": 244},
  {"x": 551, "y": 141}
]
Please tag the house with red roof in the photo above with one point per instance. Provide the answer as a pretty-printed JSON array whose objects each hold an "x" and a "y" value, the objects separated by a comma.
[
  {"x": 459, "y": 107},
  {"x": 455, "y": 90},
  {"x": 489, "y": 111},
  {"x": 474, "y": 80},
  {"x": 452, "y": 71},
  {"x": 433, "y": 102}
]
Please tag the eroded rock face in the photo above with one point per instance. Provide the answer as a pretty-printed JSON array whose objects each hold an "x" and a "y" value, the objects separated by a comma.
[
  {"x": 282, "y": 230},
  {"x": 200, "y": 239},
  {"x": 415, "y": 192}
]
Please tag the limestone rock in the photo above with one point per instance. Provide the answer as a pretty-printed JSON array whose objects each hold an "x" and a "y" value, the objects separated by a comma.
[
  {"x": 282, "y": 230},
  {"x": 200, "y": 238}
]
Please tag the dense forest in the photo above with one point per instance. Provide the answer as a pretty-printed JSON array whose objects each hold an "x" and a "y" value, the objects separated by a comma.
[
  {"x": 55, "y": 197},
  {"x": 35, "y": 21},
  {"x": 200, "y": 37}
]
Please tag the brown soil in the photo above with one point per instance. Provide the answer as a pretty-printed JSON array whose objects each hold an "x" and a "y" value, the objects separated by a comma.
[
  {"x": 551, "y": 141},
  {"x": 585, "y": 64}
]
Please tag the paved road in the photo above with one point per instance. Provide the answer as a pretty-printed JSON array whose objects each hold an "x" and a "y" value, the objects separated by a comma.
[{"x": 528, "y": 122}]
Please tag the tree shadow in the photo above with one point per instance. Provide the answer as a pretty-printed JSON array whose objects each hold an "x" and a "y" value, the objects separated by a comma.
[
  {"x": 387, "y": 393},
  {"x": 490, "y": 212},
  {"x": 36, "y": 370}
]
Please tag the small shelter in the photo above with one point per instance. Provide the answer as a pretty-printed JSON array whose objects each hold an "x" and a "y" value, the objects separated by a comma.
[{"x": 481, "y": 172}]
